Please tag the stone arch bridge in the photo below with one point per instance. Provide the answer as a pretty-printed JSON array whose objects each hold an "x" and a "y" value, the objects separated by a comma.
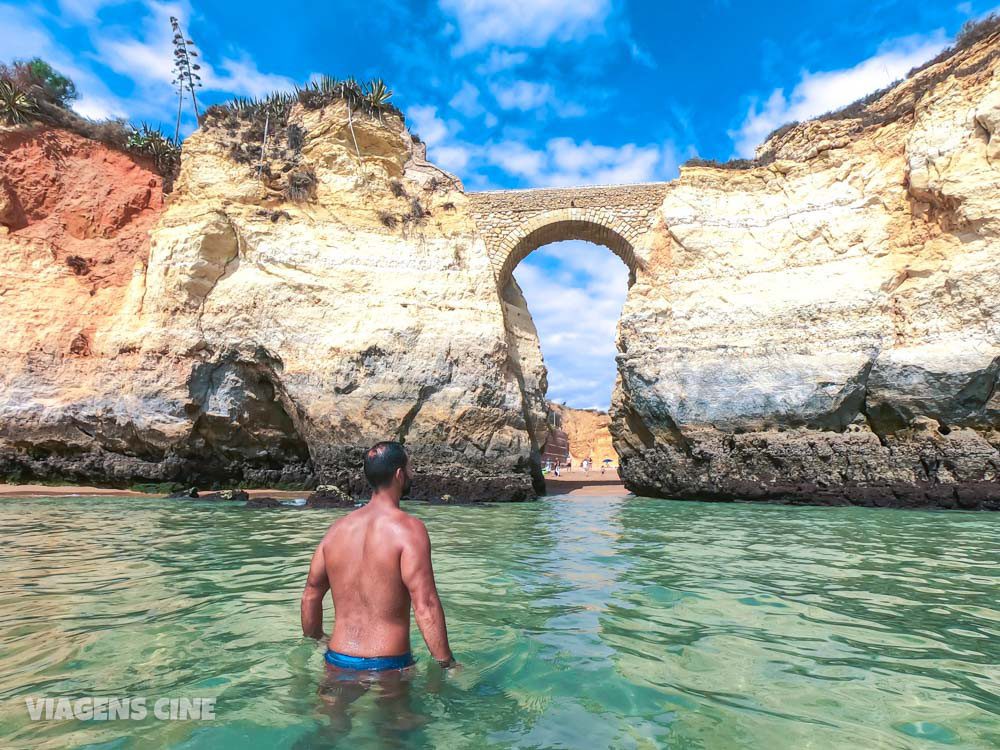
[{"x": 516, "y": 222}]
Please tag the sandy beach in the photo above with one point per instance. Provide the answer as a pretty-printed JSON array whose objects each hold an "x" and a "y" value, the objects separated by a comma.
[{"x": 593, "y": 484}]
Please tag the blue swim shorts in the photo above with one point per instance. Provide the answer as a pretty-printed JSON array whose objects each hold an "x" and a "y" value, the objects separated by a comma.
[{"x": 368, "y": 663}]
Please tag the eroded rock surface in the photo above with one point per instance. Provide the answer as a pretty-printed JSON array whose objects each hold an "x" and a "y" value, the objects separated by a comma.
[
  {"x": 826, "y": 328},
  {"x": 280, "y": 321},
  {"x": 822, "y": 327}
]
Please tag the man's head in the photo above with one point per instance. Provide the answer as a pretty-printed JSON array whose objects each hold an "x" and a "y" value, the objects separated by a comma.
[{"x": 388, "y": 467}]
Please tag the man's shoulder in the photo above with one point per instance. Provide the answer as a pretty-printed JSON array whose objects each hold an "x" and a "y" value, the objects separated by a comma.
[
  {"x": 341, "y": 524},
  {"x": 411, "y": 524}
]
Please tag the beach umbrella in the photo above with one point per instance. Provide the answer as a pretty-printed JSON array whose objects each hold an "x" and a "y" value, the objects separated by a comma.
[{"x": 607, "y": 461}]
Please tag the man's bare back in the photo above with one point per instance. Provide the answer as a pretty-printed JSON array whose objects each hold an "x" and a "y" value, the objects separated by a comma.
[{"x": 376, "y": 562}]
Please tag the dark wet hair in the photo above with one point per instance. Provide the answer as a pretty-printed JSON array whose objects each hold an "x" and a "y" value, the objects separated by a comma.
[{"x": 381, "y": 462}]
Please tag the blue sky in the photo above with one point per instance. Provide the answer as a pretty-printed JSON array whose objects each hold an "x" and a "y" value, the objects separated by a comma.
[{"x": 518, "y": 93}]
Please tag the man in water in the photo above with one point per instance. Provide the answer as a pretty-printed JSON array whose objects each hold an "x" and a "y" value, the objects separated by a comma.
[{"x": 376, "y": 562}]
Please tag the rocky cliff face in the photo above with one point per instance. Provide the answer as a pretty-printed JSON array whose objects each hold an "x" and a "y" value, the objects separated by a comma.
[
  {"x": 74, "y": 224},
  {"x": 588, "y": 431},
  {"x": 821, "y": 327},
  {"x": 279, "y": 322},
  {"x": 525, "y": 361},
  {"x": 825, "y": 327}
]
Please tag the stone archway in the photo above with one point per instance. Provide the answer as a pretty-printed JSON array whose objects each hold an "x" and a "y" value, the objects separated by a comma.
[
  {"x": 513, "y": 223},
  {"x": 557, "y": 226}
]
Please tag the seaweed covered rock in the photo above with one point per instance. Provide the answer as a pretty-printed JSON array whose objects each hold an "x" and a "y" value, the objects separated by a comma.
[{"x": 330, "y": 496}]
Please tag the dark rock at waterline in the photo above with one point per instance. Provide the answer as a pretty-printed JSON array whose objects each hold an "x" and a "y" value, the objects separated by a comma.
[
  {"x": 923, "y": 466},
  {"x": 71, "y": 465},
  {"x": 463, "y": 488},
  {"x": 466, "y": 489},
  {"x": 449, "y": 500},
  {"x": 960, "y": 496},
  {"x": 237, "y": 495},
  {"x": 190, "y": 493},
  {"x": 266, "y": 502},
  {"x": 330, "y": 496},
  {"x": 434, "y": 478},
  {"x": 61, "y": 460}
]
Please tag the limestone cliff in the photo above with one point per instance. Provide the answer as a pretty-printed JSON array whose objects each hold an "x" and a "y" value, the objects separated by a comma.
[
  {"x": 824, "y": 327},
  {"x": 588, "y": 431},
  {"x": 289, "y": 314},
  {"x": 819, "y": 327},
  {"x": 525, "y": 361}
]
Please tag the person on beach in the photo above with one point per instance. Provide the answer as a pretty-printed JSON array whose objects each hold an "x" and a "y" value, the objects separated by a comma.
[{"x": 376, "y": 562}]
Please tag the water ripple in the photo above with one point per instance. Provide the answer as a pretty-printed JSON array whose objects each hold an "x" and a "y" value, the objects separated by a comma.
[{"x": 593, "y": 622}]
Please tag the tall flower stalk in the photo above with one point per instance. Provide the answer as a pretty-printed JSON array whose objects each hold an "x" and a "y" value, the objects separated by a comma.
[{"x": 186, "y": 77}]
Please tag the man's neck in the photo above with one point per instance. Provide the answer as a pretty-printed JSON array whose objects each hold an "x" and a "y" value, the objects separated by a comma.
[{"x": 384, "y": 499}]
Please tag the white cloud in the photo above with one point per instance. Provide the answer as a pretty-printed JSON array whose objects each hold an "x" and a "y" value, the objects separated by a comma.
[
  {"x": 516, "y": 159},
  {"x": 466, "y": 100},
  {"x": 21, "y": 36},
  {"x": 443, "y": 148},
  {"x": 640, "y": 55},
  {"x": 818, "y": 93},
  {"x": 528, "y": 96},
  {"x": 100, "y": 106},
  {"x": 426, "y": 123},
  {"x": 85, "y": 10},
  {"x": 525, "y": 23},
  {"x": 148, "y": 58},
  {"x": 500, "y": 60},
  {"x": 522, "y": 95},
  {"x": 452, "y": 158},
  {"x": 564, "y": 162},
  {"x": 575, "y": 291},
  {"x": 243, "y": 77}
]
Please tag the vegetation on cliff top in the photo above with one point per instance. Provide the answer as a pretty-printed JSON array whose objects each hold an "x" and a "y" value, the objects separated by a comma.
[
  {"x": 371, "y": 98},
  {"x": 258, "y": 132},
  {"x": 862, "y": 110},
  {"x": 32, "y": 91}
]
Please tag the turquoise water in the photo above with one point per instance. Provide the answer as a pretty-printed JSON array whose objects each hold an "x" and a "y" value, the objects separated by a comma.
[{"x": 580, "y": 622}]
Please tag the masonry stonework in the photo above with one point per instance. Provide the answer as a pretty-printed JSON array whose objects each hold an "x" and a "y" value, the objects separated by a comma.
[{"x": 515, "y": 222}]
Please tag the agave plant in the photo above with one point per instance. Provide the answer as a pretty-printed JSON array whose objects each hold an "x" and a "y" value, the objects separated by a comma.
[
  {"x": 329, "y": 85},
  {"x": 377, "y": 95},
  {"x": 16, "y": 106},
  {"x": 353, "y": 98},
  {"x": 149, "y": 141},
  {"x": 352, "y": 93},
  {"x": 321, "y": 91},
  {"x": 278, "y": 104},
  {"x": 244, "y": 106}
]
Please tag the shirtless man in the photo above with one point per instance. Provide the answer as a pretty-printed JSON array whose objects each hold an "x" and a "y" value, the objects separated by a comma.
[{"x": 377, "y": 563}]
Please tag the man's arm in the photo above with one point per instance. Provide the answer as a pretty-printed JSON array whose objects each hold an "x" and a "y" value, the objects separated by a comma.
[
  {"x": 317, "y": 584},
  {"x": 418, "y": 576}
]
